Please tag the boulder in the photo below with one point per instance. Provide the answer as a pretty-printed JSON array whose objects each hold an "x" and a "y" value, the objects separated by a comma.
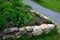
[
  {"x": 47, "y": 27},
  {"x": 25, "y": 30},
  {"x": 10, "y": 31},
  {"x": 43, "y": 28},
  {"x": 37, "y": 30},
  {"x": 29, "y": 28},
  {"x": 22, "y": 30},
  {"x": 35, "y": 21}
]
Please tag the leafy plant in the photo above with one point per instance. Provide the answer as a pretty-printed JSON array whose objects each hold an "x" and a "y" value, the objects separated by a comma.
[{"x": 15, "y": 11}]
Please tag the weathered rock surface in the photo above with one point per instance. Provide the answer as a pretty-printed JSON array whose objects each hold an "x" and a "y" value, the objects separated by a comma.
[
  {"x": 47, "y": 27},
  {"x": 28, "y": 30},
  {"x": 35, "y": 21},
  {"x": 37, "y": 30},
  {"x": 11, "y": 30},
  {"x": 43, "y": 28}
]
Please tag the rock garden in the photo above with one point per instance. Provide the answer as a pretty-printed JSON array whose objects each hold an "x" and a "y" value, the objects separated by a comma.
[{"x": 19, "y": 21}]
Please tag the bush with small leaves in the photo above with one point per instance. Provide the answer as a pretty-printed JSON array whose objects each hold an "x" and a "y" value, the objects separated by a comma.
[{"x": 15, "y": 11}]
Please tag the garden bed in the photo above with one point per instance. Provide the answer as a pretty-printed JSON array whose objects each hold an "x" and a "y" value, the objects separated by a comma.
[
  {"x": 36, "y": 21},
  {"x": 15, "y": 18}
]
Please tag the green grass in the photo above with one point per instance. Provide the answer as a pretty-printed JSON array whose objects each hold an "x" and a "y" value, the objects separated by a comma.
[
  {"x": 50, "y": 4},
  {"x": 53, "y": 35}
]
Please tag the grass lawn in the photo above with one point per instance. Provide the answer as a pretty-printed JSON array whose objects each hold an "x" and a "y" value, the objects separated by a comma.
[
  {"x": 53, "y": 35},
  {"x": 50, "y": 4}
]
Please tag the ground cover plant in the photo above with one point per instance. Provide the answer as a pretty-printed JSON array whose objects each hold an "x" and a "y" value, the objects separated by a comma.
[
  {"x": 14, "y": 10},
  {"x": 50, "y": 4}
]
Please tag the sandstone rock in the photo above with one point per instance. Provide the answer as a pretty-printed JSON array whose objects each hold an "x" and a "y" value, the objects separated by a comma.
[
  {"x": 22, "y": 30},
  {"x": 29, "y": 28},
  {"x": 37, "y": 30},
  {"x": 47, "y": 27},
  {"x": 43, "y": 28},
  {"x": 26, "y": 31}
]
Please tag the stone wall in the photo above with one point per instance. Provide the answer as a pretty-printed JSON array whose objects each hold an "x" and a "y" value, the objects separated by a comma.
[{"x": 29, "y": 30}]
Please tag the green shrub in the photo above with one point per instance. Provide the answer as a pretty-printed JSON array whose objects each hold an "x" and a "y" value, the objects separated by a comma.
[{"x": 16, "y": 12}]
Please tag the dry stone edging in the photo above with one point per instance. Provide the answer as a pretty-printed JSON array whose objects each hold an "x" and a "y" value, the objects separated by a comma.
[
  {"x": 33, "y": 11},
  {"x": 29, "y": 30}
]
